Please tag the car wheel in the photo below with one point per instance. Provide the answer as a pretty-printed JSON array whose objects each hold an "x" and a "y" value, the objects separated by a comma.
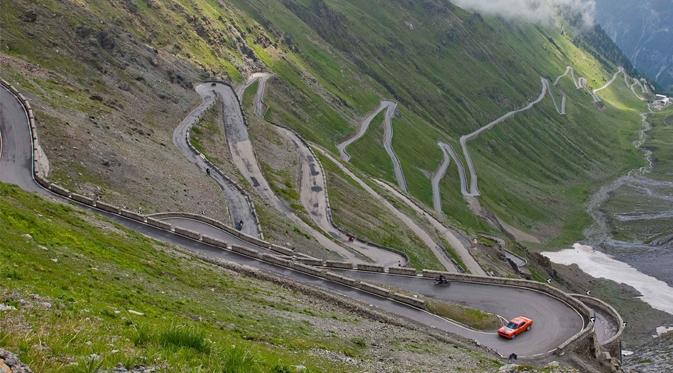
[
  {"x": 513, "y": 336},
  {"x": 527, "y": 329}
]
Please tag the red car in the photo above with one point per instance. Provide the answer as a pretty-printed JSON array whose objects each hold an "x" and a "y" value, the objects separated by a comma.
[{"x": 515, "y": 327}]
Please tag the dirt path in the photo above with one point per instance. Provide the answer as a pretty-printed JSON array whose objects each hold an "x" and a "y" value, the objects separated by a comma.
[
  {"x": 388, "y": 145},
  {"x": 238, "y": 205}
]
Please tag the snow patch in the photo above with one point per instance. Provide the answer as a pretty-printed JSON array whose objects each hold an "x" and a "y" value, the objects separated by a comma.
[
  {"x": 653, "y": 291},
  {"x": 661, "y": 330}
]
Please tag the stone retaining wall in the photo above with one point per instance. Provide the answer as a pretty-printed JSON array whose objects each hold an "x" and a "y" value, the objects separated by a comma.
[
  {"x": 213, "y": 241},
  {"x": 336, "y": 264},
  {"x": 369, "y": 268},
  {"x": 132, "y": 215},
  {"x": 107, "y": 207},
  {"x": 218, "y": 224},
  {"x": 245, "y": 251},
  {"x": 402, "y": 271},
  {"x": 187, "y": 233},
  {"x": 83, "y": 199},
  {"x": 613, "y": 344},
  {"x": 158, "y": 223}
]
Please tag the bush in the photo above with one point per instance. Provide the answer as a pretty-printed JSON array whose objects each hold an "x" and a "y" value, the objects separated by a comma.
[
  {"x": 186, "y": 337},
  {"x": 239, "y": 360}
]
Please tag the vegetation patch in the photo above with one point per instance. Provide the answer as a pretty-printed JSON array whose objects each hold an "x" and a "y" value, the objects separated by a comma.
[
  {"x": 88, "y": 293},
  {"x": 471, "y": 317}
]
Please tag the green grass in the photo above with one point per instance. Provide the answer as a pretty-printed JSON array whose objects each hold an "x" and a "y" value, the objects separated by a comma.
[
  {"x": 368, "y": 153},
  {"x": 249, "y": 96},
  {"x": 448, "y": 86},
  {"x": 470, "y": 317},
  {"x": 450, "y": 71},
  {"x": 355, "y": 211},
  {"x": 660, "y": 142},
  {"x": 206, "y": 128},
  {"x": 124, "y": 298}
]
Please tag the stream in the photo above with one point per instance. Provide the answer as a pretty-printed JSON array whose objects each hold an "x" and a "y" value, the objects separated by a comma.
[{"x": 631, "y": 238}]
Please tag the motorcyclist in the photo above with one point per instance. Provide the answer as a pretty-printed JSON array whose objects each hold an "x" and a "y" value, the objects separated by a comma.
[
  {"x": 441, "y": 280},
  {"x": 208, "y": 171}
]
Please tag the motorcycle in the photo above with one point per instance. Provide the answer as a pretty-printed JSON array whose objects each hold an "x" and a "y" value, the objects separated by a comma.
[{"x": 441, "y": 281}]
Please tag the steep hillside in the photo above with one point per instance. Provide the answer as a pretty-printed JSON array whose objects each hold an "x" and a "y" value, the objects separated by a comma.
[
  {"x": 110, "y": 86},
  {"x": 438, "y": 133},
  {"x": 452, "y": 72},
  {"x": 79, "y": 294},
  {"x": 642, "y": 29}
]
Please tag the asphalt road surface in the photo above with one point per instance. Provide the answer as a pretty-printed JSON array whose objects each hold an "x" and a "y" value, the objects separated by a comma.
[
  {"x": 362, "y": 129},
  {"x": 238, "y": 206},
  {"x": 388, "y": 145},
  {"x": 243, "y": 157},
  {"x": 313, "y": 188},
  {"x": 555, "y": 321}
]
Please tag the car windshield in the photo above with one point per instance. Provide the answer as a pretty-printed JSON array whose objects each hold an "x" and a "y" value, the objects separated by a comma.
[{"x": 512, "y": 325}]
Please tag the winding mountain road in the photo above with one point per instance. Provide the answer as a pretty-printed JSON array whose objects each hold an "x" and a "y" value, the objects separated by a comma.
[
  {"x": 556, "y": 321},
  {"x": 415, "y": 228},
  {"x": 388, "y": 145},
  {"x": 313, "y": 188},
  {"x": 449, "y": 235},
  {"x": 244, "y": 159},
  {"x": 437, "y": 178},
  {"x": 314, "y": 197},
  {"x": 390, "y": 108},
  {"x": 362, "y": 129},
  {"x": 474, "y": 188},
  {"x": 236, "y": 202},
  {"x": 594, "y": 93}
]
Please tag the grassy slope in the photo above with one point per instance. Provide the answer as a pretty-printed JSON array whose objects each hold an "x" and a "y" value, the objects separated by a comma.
[
  {"x": 660, "y": 141},
  {"x": 96, "y": 277},
  {"x": 446, "y": 68},
  {"x": 92, "y": 277},
  {"x": 359, "y": 49},
  {"x": 451, "y": 72}
]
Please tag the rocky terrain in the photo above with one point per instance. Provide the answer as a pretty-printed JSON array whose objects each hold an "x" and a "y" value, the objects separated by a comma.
[
  {"x": 653, "y": 357},
  {"x": 9, "y": 363}
]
